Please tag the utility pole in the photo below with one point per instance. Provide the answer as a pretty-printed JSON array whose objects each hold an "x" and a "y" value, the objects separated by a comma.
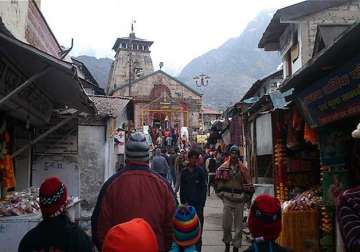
[{"x": 131, "y": 37}]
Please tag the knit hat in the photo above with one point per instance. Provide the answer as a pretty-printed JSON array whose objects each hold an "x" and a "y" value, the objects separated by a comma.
[
  {"x": 187, "y": 226},
  {"x": 53, "y": 197},
  {"x": 137, "y": 149},
  {"x": 265, "y": 218},
  {"x": 132, "y": 236}
]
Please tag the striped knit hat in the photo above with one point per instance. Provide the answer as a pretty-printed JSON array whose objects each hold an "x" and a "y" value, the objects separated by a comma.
[
  {"x": 53, "y": 197},
  {"x": 136, "y": 148},
  {"x": 187, "y": 226}
]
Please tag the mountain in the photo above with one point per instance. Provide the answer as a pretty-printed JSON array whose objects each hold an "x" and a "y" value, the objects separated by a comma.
[
  {"x": 99, "y": 68},
  {"x": 234, "y": 66}
]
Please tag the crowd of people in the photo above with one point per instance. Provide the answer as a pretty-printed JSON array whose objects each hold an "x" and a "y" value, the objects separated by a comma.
[{"x": 138, "y": 208}]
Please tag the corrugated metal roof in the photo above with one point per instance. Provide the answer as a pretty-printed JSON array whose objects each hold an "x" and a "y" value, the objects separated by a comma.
[{"x": 109, "y": 105}]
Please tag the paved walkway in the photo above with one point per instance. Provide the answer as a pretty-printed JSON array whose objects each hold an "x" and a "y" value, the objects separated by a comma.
[{"x": 212, "y": 234}]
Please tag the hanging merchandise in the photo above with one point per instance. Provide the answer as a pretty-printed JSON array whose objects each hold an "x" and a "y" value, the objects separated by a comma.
[
  {"x": 6, "y": 163},
  {"x": 281, "y": 189},
  {"x": 310, "y": 135},
  {"x": 292, "y": 137},
  {"x": 297, "y": 121}
]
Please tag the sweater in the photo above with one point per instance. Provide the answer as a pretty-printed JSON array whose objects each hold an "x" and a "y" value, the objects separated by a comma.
[
  {"x": 232, "y": 183},
  {"x": 135, "y": 192}
]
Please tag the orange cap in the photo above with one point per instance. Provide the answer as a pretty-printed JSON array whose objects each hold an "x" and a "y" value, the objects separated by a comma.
[{"x": 132, "y": 236}]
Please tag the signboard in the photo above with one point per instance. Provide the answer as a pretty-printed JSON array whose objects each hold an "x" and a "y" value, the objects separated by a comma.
[
  {"x": 333, "y": 97},
  {"x": 61, "y": 141}
]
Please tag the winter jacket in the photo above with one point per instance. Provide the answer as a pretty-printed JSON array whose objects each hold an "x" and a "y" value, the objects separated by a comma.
[
  {"x": 232, "y": 183},
  {"x": 193, "y": 187},
  {"x": 266, "y": 246},
  {"x": 160, "y": 165},
  {"x": 56, "y": 234},
  {"x": 135, "y": 192}
]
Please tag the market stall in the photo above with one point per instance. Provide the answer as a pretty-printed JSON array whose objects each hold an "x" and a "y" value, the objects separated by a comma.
[
  {"x": 20, "y": 212},
  {"x": 35, "y": 88},
  {"x": 327, "y": 94},
  {"x": 297, "y": 180}
]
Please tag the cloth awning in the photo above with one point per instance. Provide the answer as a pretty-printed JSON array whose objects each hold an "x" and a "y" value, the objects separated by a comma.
[{"x": 59, "y": 83}]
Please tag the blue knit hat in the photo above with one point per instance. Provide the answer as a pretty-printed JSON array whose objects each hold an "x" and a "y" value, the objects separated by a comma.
[{"x": 187, "y": 226}]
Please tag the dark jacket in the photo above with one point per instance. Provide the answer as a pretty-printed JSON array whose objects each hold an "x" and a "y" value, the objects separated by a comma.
[
  {"x": 193, "y": 187},
  {"x": 56, "y": 234},
  {"x": 135, "y": 192},
  {"x": 160, "y": 165},
  {"x": 264, "y": 247}
]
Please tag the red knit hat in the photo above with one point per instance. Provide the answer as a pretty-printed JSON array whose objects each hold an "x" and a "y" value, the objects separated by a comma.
[
  {"x": 132, "y": 236},
  {"x": 265, "y": 217},
  {"x": 53, "y": 197}
]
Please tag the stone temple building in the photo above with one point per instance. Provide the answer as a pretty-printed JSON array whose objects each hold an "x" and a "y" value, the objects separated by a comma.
[{"x": 159, "y": 100}]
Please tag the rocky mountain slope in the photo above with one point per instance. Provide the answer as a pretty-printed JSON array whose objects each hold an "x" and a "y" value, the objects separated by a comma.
[
  {"x": 99, "y": 68},
  {"x": 234, "y": 66}
]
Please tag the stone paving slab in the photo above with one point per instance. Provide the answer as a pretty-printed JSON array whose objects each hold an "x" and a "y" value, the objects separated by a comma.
[{"x": 212, "y": 233}]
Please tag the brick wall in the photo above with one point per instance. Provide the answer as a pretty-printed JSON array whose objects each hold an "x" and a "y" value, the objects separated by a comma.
[{"x": 38, "y": 33}]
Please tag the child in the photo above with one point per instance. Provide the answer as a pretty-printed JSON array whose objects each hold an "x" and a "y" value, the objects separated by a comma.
[
  {"x": 187, "y": 229},
  {"x": 265, "y": 224},
  {"x": 132, "y": 236}
]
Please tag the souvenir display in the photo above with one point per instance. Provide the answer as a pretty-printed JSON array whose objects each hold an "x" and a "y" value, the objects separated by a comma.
[{"x": 20, "y": 203}]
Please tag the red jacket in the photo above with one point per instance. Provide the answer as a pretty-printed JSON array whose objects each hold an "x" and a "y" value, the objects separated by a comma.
[{"x": 135, "y": 192}]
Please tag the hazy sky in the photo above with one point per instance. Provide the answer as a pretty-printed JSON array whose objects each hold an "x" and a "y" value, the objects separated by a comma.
[{"x": 181, "y": 30}]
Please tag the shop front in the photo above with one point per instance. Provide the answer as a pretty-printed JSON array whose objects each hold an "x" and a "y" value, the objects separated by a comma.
[
  {"x": 40, "y": 100},
  {"x": 327, "y": 96}
]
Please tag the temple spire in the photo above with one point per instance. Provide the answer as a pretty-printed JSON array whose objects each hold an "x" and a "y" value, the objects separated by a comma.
[{"x": 132, "y": 34}]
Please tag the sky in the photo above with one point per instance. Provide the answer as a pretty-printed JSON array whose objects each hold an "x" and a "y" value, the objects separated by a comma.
[{"x": 181, "y": 29}]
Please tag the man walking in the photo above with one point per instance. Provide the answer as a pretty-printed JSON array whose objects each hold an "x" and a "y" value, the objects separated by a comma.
[
  {"x": 233, "y": 179},
  {"x": 180, "y": 163},
  {"x": 193, "y": 188},
  {"x": 135, "y": 192},
  {"x": 160, "y": 164}
]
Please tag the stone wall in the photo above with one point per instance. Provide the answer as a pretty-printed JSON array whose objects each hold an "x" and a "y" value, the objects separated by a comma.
[
  {"x": 14, "y": 15},
  {"x": 120, "y": 68},
  {"x": 92, "y": 163},
  {"x": 344, "y": 14},
  {"x": 143, "y": 87}
]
